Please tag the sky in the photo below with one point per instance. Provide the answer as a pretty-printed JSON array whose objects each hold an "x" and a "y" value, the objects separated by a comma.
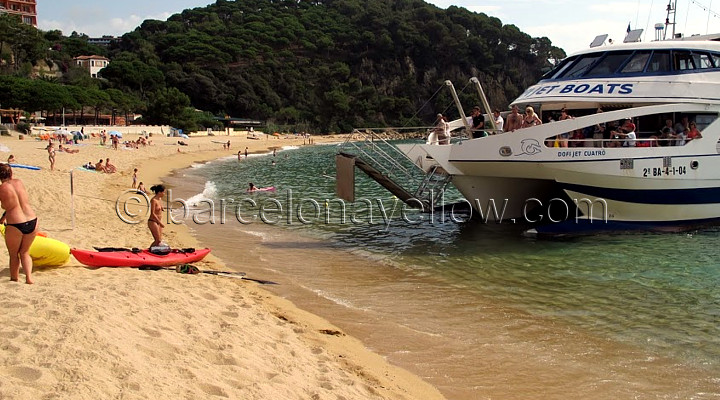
[{"x": 569, "y": 24}]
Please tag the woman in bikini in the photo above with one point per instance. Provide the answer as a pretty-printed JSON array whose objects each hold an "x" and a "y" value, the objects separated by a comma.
[
  {"x": 530, "y": 119},
  {"x": 156, "y": 209},
  {"x": 51, "y": 156},
  {"x": 21, "y": 223}
]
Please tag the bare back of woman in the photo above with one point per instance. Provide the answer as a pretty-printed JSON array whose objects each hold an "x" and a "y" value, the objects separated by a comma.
[{"x": 21, "y": 223}]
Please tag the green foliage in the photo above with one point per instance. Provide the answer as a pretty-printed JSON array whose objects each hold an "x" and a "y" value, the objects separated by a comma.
[
  {"x": 334, "y": 65},
  {"x": 299, "y": 64},
  {"x": 25, "y": 43},
  {"x": 170, "y": 106},
  {"x": 22, "y": 127}
]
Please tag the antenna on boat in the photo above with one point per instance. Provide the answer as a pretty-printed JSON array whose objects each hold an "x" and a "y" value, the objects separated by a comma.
[{"x": 670, "y": 13}]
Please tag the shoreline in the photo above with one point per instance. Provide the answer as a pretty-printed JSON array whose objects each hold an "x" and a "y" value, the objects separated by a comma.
[{"x": 80, "y": 332}]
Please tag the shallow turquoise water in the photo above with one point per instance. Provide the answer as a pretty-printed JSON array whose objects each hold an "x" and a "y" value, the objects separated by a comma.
[{"x": 656, "y": 292}]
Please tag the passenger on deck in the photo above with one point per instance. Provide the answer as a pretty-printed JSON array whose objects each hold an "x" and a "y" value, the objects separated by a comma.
[
  {"x": 563, "y": 137},
  {"x": 598, "y": 132},
  {"x": 627, "y": 132},
  {"x": 681, "y": 129},
  {"x": 577, "y": 139},
  {"x": 530, "y": 119},
  {"x": 442, "y": 130},
  {"x": 478, "y": 123},
  {"x": 499, "y": 121},
  {"x": 514, "y": 120},
  {"x": 693, "y": 132},
  {"x": 667, "y": 134}
]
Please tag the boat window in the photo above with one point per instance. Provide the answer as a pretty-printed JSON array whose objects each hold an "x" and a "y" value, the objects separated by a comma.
[
  {"x": 609, "y": 64},
  {"x": 636, "y": 63},
  {"x": 580, "y": 66},
  {"x": 557, "y": 71},
  {"x": 716, "y": 59},
  {"x": 702, "y": 60},
  {"x": 659, "y": 62},
  {"x": 683, "y": 60}
]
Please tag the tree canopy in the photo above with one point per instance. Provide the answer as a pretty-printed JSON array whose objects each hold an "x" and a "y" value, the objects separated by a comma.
[
  {"x": 328, "y": 65},
  {"x": 331, "y": 64}
]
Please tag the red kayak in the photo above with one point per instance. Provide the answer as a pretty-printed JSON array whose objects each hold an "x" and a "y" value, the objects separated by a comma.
[{"x": 139, "y": 258}]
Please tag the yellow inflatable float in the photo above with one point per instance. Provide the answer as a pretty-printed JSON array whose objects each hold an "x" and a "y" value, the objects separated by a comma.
[{"x": 46, "y": 252}]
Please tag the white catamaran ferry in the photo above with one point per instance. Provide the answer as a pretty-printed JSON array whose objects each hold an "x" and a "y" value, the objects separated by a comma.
[{"x": 649, "y": 172}]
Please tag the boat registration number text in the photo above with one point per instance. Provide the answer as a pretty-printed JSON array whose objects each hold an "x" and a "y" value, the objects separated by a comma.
[{"x": 667, "y": 171}]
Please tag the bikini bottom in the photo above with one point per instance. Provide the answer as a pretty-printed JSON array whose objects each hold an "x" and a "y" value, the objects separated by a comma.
[{"x": 26, "y": 228}]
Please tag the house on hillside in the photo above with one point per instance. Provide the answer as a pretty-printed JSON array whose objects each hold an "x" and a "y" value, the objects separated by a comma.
[
  {"x": 104, "y": 41},
  {"x": 92, "y": 63},
  {"x": 26, "y": 9}
]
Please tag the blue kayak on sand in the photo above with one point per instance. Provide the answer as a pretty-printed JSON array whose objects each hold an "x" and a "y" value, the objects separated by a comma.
[{"x": 32, "y": 167}]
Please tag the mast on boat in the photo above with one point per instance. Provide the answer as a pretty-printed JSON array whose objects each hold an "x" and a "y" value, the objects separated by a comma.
[{"x": 670, "y": 13}]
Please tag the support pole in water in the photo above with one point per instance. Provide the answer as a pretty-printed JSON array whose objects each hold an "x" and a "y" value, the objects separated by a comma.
[{"x": 72, "y": 200}]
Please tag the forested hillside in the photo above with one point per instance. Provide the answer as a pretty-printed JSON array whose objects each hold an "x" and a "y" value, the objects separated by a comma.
[
  {"x": 329, "y": 64},
  {"x": 322, "y": 65}
]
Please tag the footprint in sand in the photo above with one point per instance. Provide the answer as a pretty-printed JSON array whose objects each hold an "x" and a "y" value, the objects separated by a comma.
[
  {"x": 152, "y": 332},
  {"x": 10, "y": 348},
  {"x": 158, "y": 348},
  {"x": 212, "y": 390},
  {"x": 222, "y": 359},
  {"x": 12, "y": 304},
  {"x": 26, "y": 374},
  {"x": 209, "y": 296}
]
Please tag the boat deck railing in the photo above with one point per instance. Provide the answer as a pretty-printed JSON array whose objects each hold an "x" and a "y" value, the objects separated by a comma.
[{"x": 375, "y": 148}]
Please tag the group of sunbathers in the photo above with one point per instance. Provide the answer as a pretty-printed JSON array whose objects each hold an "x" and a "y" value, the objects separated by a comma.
[{"x": 100, "y": 167}]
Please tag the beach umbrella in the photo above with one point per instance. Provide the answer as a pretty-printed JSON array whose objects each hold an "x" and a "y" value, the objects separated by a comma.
[
  {"x": 115, "y": 133},
  {"x": 62, "y": 132}
]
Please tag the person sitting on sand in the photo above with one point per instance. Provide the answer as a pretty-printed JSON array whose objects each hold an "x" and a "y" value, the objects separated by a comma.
[
  {"x": 21, "y": 223},
  {"x": 11, "y": 159},
  {"x": 89, "y": 165},
  {"x": 141, "y": 188},
  {"x": 109, "y": 168},
  {"x": 99, "y": 166},
  {"x": 156, "y": 209}
]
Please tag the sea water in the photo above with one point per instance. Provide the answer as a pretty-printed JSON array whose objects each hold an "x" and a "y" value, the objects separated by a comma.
[{"x": 476, "y": 309}]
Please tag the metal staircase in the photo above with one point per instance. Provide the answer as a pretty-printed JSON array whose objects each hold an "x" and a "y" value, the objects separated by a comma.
[
  {"x": 392, "y": 169},
  {"x": 433, "y": 184}
]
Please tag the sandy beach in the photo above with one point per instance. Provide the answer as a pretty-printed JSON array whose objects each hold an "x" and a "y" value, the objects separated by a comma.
[{"x": 131, "y": 334}]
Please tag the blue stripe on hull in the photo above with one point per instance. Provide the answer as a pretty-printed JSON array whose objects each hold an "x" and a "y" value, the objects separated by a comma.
[
  {"x": 587, "y": 227},
  {"x": 650, "y": 196}
]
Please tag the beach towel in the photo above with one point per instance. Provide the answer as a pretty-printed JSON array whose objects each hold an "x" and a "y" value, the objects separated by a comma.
[{"x": 187, "y": 269}]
